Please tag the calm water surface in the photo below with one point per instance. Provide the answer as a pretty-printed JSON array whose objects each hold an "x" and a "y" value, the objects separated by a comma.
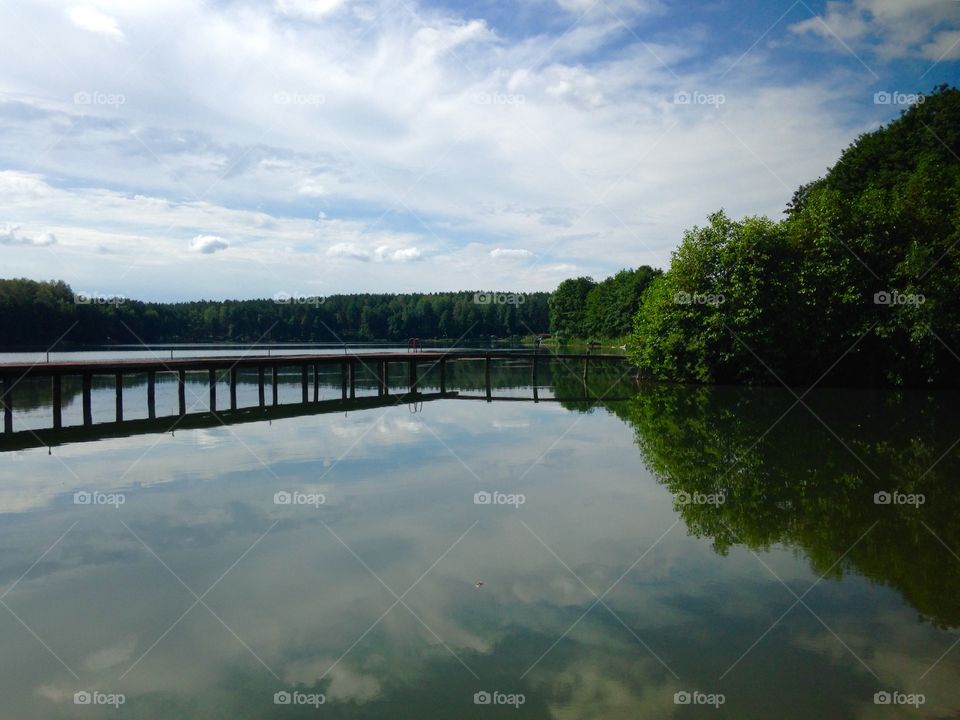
[{"x": 672, "y": 540}]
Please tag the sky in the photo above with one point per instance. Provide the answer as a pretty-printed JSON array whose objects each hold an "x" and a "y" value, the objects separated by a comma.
[{"x": 187, "y": 149}]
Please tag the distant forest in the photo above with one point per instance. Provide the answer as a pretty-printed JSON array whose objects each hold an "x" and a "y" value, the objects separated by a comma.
[{"x": 37, "y": 313}]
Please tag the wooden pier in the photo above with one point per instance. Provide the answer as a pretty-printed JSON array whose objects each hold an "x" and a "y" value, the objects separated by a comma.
[{"x": 307, "y": 366}]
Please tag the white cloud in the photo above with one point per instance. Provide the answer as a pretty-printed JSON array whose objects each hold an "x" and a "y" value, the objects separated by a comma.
[
  {"x": 890, "y": 28},
  {"x": 311, "y": 188},
  {"x": 91, "y": 19},
  {"x": 308, "y": 9},
  {"x": 348, "y": 250},
  {"x": 208, "y": 244},
  {"x": 405, "y": 254},
  {"x": 511, "y": 253},
  {"x": 945, "y": 45},
  {"x": 11, "y": 235},
  {"x": 382, "y": 253}
]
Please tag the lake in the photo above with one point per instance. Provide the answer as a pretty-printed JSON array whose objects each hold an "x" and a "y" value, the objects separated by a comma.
[{"x": 614, "y": 550}]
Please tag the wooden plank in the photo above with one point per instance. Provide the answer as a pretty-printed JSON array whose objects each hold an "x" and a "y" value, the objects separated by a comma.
[{"x": 109, "y": 367}]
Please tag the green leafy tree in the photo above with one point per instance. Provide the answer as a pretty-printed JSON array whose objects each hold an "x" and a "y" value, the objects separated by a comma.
[
  {"x": 858, "y": 283},
  {"x": 567, "y": 306}
]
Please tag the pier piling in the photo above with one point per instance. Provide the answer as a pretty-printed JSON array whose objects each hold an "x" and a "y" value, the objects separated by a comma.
[
  {"x": 151, "y": 394},
  {"x": 212, "y": 378},
  {"x": 87, "y": 411},
  {"x": 56, "y": 391},
  {"x": 118, "y": 392}
]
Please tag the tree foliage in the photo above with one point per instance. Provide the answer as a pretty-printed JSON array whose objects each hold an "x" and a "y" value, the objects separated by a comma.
[
  {"x": 583, "y": 308},
  {"x": 858, "y": 282}
]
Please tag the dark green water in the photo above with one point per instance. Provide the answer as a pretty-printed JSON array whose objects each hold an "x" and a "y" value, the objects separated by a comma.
[{"x": 199, "y": 596}]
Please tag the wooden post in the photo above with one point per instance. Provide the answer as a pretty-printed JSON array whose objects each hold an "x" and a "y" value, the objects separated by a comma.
[
  {"x": 443, "y": 375},
  {"x": 260, "y": 399},
  {"x": 316, "y": 382},
  {"x": 182, "y": 392},
  {"x": 118, "y": 392},
  {"x": 533, "y": 378},
  {"x": 274, "y": 375},
  {"x": 379, "y": 377},
  {"x": 413, "y": 375},
  {"x": 304, "y": 385},
  {"x": 343, "y": 380},
  {"x": 56, "y": 390},
  {"x": 7, "y": 405},
  {"x": 87, "y": 412},
  {"x": 212, "y": 378},
  {"x": 151, "y": 394},
  {"x": 233, "y": 388},
  {"x": 487, "y": 374},
  {"x": 353, "y": 379}
]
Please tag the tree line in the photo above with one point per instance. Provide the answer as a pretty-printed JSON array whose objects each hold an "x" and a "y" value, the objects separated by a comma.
[{"x": 36, "y": 313}]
